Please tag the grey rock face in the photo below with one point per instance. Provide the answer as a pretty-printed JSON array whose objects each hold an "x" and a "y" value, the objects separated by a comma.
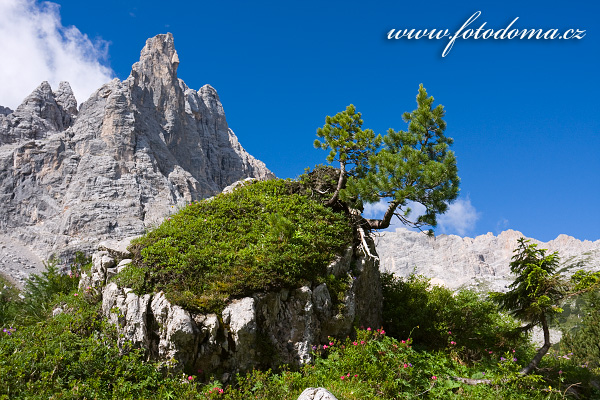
[
  {"x": 128, "y": 312},
  {"x": 481, "y": 263},
  {"x": 5, "y": 110},
  {"x": 41, "y": 114},
  {"x": 265, "y": 329},
  {"x": 316, "y": 394},
  {"x": 135, "y": 151},
  {"x": 17, "y": 261}
]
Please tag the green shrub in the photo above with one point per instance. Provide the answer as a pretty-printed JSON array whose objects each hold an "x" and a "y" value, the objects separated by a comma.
[
  {"x": 74, "y": 356},
  {"x": 40, "y": 290},
  {"x": 438, "y": 318},
  {"x": 261, "y": 237},
  {"x": 582, "y": 342},
  {"x": 9, "y": 297},
  {"x": 376, "y": 366},
  {"x": 34, "y": 303}
]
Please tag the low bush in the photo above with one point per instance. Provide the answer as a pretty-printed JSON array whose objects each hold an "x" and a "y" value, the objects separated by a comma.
[
  {"x": 9, "y": 297},
  {"x": 375, "y": 365},
  {"x": 438, "y": 318},
  {"x": 582, "y": 344},
  {"x": 40, "y": 291},
  {"x": 73, "y": 355}
]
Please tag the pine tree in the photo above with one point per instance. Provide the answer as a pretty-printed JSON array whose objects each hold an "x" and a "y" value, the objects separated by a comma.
[
  {"x": 402, "y": 167},
  {"x": 349, "y": 145},
  {"x": 535, "y": 293}
]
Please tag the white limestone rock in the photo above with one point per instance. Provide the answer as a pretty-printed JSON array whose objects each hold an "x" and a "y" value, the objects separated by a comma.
[
  {"x": 176, "y": 330},
  {"x": 481, "y": 263},
  {"x": 316, "y": 394},
  {"x": 117, "y": 248},
  {"x": 239, "y": 318},
  {"x": 128, "y": 312}
]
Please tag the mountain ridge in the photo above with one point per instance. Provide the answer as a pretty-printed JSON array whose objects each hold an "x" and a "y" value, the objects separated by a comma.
[{"x": 480, "y": 263}]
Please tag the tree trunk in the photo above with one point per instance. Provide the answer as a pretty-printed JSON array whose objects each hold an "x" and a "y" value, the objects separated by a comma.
[
  {"x": 542, "y": 351},
  {"x": 341, "y": 183},
  {"x": 387, "y": 217}
]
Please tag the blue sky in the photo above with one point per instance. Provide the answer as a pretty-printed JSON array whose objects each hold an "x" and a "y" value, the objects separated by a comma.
[{"x": 524, "y": 114}]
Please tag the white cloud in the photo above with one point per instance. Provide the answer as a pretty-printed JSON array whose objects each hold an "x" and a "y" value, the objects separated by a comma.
[
  {"x": 375, "y": 210},
  {"x": 501, "y": 225},
  {"x": 35, "y": 47},
  {"x": 459, "y": 219}
]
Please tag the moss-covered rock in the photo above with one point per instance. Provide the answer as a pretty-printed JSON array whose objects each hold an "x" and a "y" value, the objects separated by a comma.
[
  {"x": 262, "y": 236},
  {"x": 252, "y": 278}
]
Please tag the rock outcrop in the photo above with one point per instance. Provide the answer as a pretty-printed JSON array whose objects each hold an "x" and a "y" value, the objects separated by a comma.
[
  {"x": 5, "y": 110},
  {"x": 133, "y": 152},
  {"x": 41, "y": 114},
  {"x": 263, "y": 330},
  {"x": 481, "y": 263}
]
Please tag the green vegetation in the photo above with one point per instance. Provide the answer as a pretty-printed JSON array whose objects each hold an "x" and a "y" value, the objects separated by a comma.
[
  {"x": 582, "y": 343},
  {"x": 348, "y": 144},
  {"x": 8, "y": 298},
  {"x": 401, "y": 167},
  {"x": 437, "y": 319},
  {"x": 74, "y": 355},
  {"x": 535, "y": 295},
  {"x": 261, "y": 237}
]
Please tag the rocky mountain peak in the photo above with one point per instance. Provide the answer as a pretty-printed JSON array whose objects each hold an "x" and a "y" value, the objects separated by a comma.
[
  {"x": 67, "y": 102},
  {"x": 156, "y": 72},
  {"x": 5, "y": 110},
  {"x": 158, "y": 59},
  {"x": 136, "y": 150},
  {"x": 42, "y": 113}
]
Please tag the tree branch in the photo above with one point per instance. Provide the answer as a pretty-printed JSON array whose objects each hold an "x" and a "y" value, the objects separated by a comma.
[
  {"x": 341, "y": 183},
  {"x": 387, "y": 217},
  {"x": 365, "y": 246}
]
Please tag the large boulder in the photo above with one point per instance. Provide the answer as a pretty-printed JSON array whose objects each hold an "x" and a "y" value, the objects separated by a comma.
[{"x": 262, "y": 330}]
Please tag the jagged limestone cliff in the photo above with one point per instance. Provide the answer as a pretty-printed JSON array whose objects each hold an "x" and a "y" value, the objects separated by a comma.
[
  {"x": 133, "y": 152},
  {"x": 481, "y": 262}
]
